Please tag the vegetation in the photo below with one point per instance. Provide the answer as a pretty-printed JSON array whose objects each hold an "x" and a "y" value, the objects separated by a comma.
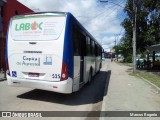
[
  {"x": 148, "y": 27},
  {"x": 148, "y": 76},
  {"x": 126, "y": 64}
]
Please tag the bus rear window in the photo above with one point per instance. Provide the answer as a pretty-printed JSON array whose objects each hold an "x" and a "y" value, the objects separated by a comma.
[{"x": 32, "y": 28}]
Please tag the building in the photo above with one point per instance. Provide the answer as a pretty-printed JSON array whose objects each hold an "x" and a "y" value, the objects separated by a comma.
[
  {"x": 2, "y": 3},
  {"x": 8, "y": 8}
]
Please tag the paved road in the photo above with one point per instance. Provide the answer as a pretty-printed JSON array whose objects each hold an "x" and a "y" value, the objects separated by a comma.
[
  {"x": 89, "y": 98},
  {"x": 129, "y": 93}
]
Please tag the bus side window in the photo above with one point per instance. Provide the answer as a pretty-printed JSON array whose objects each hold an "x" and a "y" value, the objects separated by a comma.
[
  {"x": 82, "y": 43},
  {"x": 88, "y": 46},
  {"x": 76, "y": 41},
  {"x": 79, "y": 42},
  {"x": 93, "y": 48},
  {"x": 96, "y": 50},
  {"x": 100, "y": 52}
]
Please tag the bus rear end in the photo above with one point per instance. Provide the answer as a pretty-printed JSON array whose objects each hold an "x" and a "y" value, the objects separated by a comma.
[{"x": 35, "y": 52}]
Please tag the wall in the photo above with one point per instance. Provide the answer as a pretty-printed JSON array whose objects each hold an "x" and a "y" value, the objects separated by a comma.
[{"x": 11, "y": 8}]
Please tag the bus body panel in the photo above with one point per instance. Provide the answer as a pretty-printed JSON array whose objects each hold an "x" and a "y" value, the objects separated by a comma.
[
  {"x": 35, "y": 59},
  {"x": 76, "y": 73},
  {"x": 88, "y": 65},
  {"x": 85, "y": 71},
  {"x": 98, "y": 63},
  {"x": 21, "y": 64},
  {"x": 61, "y": 87},
  {"x": 36, "y": 62}
]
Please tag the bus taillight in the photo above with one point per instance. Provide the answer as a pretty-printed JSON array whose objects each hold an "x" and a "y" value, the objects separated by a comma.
[{"x": 64, "y": 72}]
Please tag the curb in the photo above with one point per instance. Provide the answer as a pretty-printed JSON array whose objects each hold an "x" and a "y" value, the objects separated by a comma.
[{"x": 150, "y": 83}]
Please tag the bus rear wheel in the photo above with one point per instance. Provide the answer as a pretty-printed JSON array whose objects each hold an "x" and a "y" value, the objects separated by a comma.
[{"x": 89, "y": 77}]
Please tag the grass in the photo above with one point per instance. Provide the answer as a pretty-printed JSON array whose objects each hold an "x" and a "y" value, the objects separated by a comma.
[
  {"x": 153, "y": 78},
  {"x": 127, "y": 64}
]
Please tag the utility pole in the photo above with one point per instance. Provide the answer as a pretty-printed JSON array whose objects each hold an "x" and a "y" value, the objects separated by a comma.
[
  {"x": 134, "y": 35},
  {"x": 115, "y": 48},
  {"x": 134, "y": 13}
]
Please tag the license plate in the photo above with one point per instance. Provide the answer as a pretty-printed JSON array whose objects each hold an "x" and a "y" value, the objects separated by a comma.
[{"x": 33, "y": 74}]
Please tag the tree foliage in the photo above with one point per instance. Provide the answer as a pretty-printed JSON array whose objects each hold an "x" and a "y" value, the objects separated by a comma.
[{"x": 148, "y": 25}]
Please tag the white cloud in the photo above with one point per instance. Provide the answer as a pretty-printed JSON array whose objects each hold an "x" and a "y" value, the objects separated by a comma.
[{"x": 100, "y": 19}]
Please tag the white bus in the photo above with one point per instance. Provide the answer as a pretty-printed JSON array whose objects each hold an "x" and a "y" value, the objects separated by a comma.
[{"x": 51, "y": 51}]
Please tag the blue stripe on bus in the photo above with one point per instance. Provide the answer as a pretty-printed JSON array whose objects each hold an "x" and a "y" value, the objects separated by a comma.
[{"x": 68, "y": 46}]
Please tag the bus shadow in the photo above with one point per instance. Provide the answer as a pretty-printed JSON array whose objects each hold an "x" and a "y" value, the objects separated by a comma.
[
  {"x": 88, "y": 94},
  {"x": 107, "y": 82}
]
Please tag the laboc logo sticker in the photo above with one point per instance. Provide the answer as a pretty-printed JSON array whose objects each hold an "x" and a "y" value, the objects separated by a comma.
[
  {"x": 48, "y": 60},
  {"x": 29, "y": 26}
]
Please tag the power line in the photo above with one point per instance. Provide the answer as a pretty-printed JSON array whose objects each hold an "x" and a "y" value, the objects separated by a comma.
[
  {"x": 108, "y": 9},
  {"x": 103, "y": 11}
]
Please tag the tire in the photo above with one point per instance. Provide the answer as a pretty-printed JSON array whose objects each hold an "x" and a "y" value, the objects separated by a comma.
[{"x": 89, "y": 78}]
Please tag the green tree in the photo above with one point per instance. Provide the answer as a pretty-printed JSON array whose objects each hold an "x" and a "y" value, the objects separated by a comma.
[{"x": 148, "y": 25}]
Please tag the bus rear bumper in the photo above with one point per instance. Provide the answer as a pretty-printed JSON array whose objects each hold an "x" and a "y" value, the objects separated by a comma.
[{"x": 60, "y": 87}]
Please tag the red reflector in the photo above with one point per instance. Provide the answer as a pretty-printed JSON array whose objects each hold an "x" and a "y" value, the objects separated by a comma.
[
  {"x": 55, "y": 86},
  {"x": 33, "y": 74},
  {"x": 64, "y": 72}
]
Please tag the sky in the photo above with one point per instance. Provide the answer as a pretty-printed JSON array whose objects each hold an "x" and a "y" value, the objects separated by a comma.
[{"x": 101, "y": 19}]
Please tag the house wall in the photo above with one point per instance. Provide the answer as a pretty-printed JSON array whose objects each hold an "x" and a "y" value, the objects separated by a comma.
[{"x": 8, "y": 10}]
